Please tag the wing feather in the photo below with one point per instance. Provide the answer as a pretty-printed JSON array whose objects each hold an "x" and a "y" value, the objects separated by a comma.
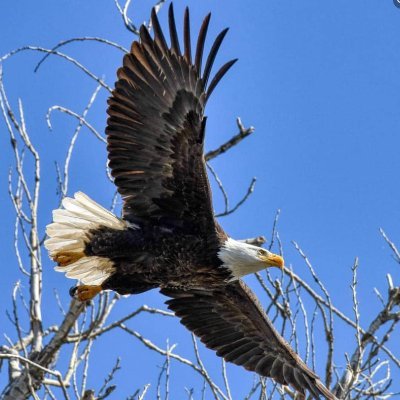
[
  {"x": 159, "y": 36},
  {"x": 213, "y": 53},
  {"x": 186, "y": 37},
  {"x": 200, "y": 43},
  {"x": 175, "y": 47}
]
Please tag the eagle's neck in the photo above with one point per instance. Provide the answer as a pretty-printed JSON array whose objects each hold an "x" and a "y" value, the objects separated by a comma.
[{"x": 240, "y": 258}]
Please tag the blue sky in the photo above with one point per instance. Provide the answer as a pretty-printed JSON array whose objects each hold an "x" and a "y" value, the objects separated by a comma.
[{"x": 320, "y": 83}]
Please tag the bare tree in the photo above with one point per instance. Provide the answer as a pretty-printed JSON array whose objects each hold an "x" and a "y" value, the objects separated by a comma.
[{"x": 53, "y": 361}]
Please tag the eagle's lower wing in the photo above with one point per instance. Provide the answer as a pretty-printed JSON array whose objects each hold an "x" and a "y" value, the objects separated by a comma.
[
  {"x": 156, "y": 126},
  {"x": 231, "y": 322}
]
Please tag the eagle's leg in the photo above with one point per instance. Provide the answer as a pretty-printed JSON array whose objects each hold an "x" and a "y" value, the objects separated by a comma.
[{"x": 85, "y": 292}]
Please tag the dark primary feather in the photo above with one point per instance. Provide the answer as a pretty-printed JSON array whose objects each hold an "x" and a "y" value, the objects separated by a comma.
[
  {"x": 186, "y": 37},
  {"x": 200, "y": 42},
  {"x": 231, "y": 322},
  {"x": 175, "y": 47},
  {"x": 156, "y": 127}
]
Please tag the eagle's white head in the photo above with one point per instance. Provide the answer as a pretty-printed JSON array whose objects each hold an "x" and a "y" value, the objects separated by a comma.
[{"x": 243, "y": 258}]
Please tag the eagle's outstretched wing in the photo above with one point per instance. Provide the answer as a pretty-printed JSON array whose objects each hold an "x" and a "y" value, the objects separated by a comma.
[
  {"x": 156, "y": 127},
  {"x": 231, "y": 322}
]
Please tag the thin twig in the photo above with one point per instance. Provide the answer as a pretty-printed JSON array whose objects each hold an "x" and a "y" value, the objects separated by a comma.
[
  {"x": 243, "y": 133},
  {"x": 80, "y": 39}
]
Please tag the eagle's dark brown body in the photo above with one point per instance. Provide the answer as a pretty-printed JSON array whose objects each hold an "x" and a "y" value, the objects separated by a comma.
[{"x": 156, "y": 256}]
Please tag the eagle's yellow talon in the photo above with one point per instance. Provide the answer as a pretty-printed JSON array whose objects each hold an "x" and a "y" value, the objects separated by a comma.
[{"x": 87, "y": 292}]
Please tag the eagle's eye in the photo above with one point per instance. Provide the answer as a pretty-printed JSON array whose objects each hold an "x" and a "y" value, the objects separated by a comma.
[{"x": 262, "y": 252}]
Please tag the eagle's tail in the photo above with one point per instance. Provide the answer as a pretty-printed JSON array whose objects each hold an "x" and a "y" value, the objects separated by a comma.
[{"x": 70, "y": 232}]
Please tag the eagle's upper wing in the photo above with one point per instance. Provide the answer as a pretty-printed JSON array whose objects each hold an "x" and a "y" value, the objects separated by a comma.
[
  {"x": 230, "y": 321},
  {"x": 156, "y": 126}
]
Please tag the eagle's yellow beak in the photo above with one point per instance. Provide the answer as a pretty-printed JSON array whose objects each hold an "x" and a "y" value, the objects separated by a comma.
[{"x": 274, "y": 260}]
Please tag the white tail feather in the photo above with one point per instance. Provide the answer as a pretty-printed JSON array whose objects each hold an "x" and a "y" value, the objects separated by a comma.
[
  {"x": 70, "y": 232},
  {"x": 89, "y": 270}
]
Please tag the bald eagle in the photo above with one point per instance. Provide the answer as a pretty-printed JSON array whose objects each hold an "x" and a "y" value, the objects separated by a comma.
[{"x": 168, "y": 237}]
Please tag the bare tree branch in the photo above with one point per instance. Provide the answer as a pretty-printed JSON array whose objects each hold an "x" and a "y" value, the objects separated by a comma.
[{"x": 243, "y": 133}]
